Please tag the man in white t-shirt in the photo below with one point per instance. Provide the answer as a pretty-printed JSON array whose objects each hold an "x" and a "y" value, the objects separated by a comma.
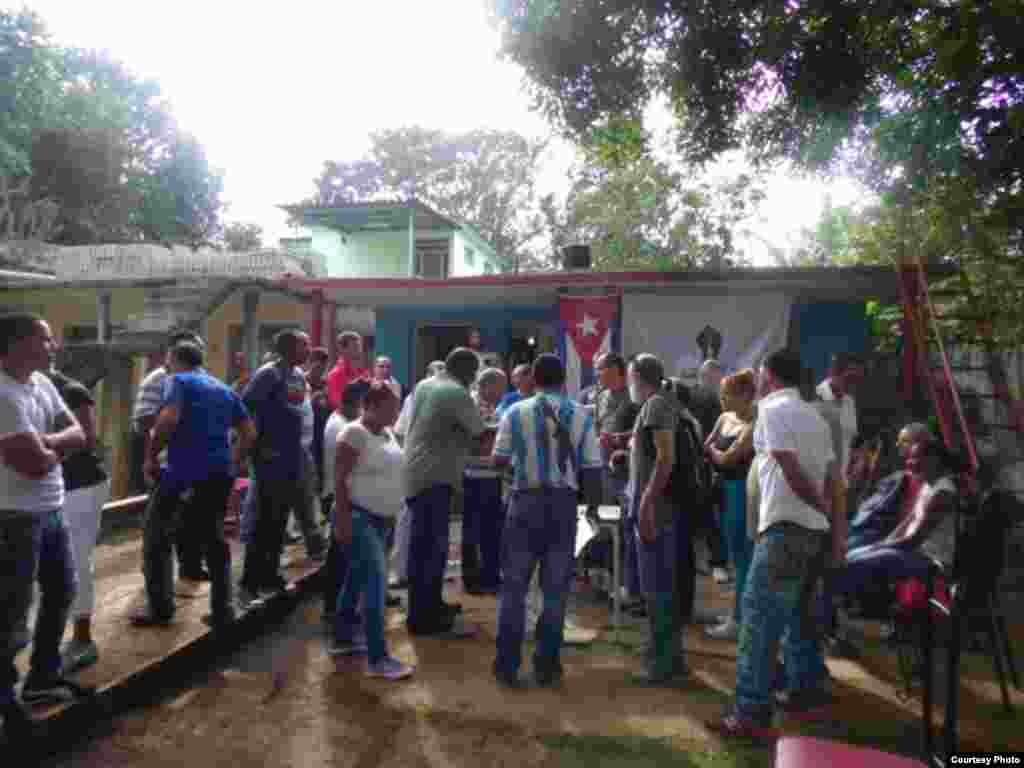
[
  {"x": 797, "y": 473},
  {"x": 382, "y": 367},
  {"x": 37, "y": 430},
  {"x": 846, "y": 372}
]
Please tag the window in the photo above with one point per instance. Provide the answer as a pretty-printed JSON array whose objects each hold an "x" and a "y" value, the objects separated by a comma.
[
  {"x": 470, "y": 258},
  {"x": 488, "y": 268},
  {"x": 432, "y": 260}
]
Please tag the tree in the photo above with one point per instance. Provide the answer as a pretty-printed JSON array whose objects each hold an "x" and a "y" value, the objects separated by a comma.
[
  {"x": 805, "y": 80},
  {"x": 80, "y": 172},
  {"x": 30, "y": 87},
  {"x": 239, "y": 237},
  {"x": 89, "y": 153},
  {"x": 484, "y": 178},
  {"x": 181, "y": 201},
  {"x": 639, "y": 212}
]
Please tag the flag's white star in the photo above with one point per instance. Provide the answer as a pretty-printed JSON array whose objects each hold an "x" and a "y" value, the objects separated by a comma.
[{"x": 588, "y": 327}]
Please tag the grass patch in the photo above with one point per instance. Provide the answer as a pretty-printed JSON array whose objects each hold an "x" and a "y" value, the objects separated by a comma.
[
  {"x": 115, "y": 536},
  {"x": 646, "y": 752}
]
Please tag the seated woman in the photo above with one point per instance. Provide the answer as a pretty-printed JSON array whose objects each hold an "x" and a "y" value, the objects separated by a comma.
[
  {"x": 367, "y": 498},
  {"x": 893, "y": 497},
  {"x": 926, "y": 535}
]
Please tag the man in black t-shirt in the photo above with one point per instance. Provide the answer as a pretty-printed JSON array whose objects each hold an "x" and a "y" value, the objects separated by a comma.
[{"x": 87, "y": 490}]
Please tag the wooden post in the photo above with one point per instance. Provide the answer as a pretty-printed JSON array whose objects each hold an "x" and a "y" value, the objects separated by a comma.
[
  {"x": 103, "y": 304},
  {"x": 412, "y": 239},
  {"x": 332, "y": 329},
  {"x": 251, "y": 330},
  {"x": 316, "y": 320}
]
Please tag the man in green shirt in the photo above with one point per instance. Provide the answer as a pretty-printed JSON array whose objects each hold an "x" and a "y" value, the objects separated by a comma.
[{"x": 444, "y": 422}]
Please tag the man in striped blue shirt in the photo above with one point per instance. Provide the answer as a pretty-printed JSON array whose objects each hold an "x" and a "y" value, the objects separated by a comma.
[{"x": 550, "y": 442}]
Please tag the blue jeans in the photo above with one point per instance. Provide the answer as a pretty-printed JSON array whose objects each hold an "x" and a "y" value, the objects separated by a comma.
[
  {"x": 658, "y": 561},
  {"x": 33, "y": 544},
  {"x": 336, "y": 567},
  {"x": 367, "y": 575},
  {"x": 867, "y": 566},
  {"x": 784, "y": 571},
  {"x": 734, "y": 525},
  {"x": 206, "y": 509},
  {"x": 273, "y": 494},
  {"x": 428, "y": 557},
  {"x": 630, "y": 558},
  {"x": 686, "y": 566},
  {"x": 483, "y": 519},
  {"x": 540, "y": 530}
]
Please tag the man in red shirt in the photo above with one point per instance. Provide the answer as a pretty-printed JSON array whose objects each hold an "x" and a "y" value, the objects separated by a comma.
[{"x": 347, "y": 369}]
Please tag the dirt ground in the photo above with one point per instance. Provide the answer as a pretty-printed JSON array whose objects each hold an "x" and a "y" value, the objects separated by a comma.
[{"x": 281, "y": 701}]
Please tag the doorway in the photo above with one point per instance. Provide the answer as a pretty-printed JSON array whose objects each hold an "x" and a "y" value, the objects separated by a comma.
[{"x": 434, "y": 342}]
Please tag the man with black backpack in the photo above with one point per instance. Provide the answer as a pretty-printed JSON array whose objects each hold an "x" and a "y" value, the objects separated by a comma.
[
  {"x": 660, "y": 519},
  {"x": 691, "y": 487}
]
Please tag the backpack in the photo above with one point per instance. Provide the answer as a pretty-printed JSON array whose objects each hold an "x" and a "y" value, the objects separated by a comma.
[{"x": 689, "y": 485}]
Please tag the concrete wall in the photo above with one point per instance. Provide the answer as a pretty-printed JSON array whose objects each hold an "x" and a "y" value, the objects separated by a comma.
[
  {"x": 470, "y": 258},
  {"x": 64, "y": 307},
  {"x": 274, "y": 309},
  {"x": 820, "y": 328},
  {"x": 386, "y": 254}
]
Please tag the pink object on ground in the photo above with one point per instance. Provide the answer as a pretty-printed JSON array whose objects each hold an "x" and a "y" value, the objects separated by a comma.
[{"x": 806, "y": 752}]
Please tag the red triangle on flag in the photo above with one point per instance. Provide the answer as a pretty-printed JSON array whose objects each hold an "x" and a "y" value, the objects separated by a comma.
[{"x": 587, "y": 321}]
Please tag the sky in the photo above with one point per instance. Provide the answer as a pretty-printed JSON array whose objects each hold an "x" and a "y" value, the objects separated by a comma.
[{"x": 272, "y": 91}]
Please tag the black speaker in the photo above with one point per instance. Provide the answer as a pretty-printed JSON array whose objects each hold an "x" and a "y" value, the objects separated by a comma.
[{"x": 576, "y": 257}]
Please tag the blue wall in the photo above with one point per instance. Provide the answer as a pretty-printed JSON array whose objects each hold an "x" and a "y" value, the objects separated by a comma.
[
  {"x": 825, "y": 328},
  {"x": 396, "y": 329}
]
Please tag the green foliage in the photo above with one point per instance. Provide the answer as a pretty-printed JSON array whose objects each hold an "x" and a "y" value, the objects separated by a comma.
[
  {"x": 638, "y": 212},
  {"x": 30, "y": 83},
  {"x": 954, "y": 223},
  {"x": 99, "y": 144},
  {"x": 240, "y": 237},
  {"x": 936, "y": 88},
  {"x": 484, "y": 178}
]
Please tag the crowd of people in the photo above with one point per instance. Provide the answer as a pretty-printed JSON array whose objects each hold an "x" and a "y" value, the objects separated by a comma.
[{"x": 758, "y": 465}]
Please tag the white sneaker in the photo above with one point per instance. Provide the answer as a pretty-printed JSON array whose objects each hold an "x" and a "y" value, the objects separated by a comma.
[
  {"x": 720, "y": 575},
  {"x": 727, "y": 630}
]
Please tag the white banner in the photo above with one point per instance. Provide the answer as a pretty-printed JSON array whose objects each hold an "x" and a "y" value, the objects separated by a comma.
[{"x": 751, "y": 327}]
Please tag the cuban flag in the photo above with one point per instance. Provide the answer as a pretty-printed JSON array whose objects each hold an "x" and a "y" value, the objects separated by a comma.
[{"x": 591, "y": 326}]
